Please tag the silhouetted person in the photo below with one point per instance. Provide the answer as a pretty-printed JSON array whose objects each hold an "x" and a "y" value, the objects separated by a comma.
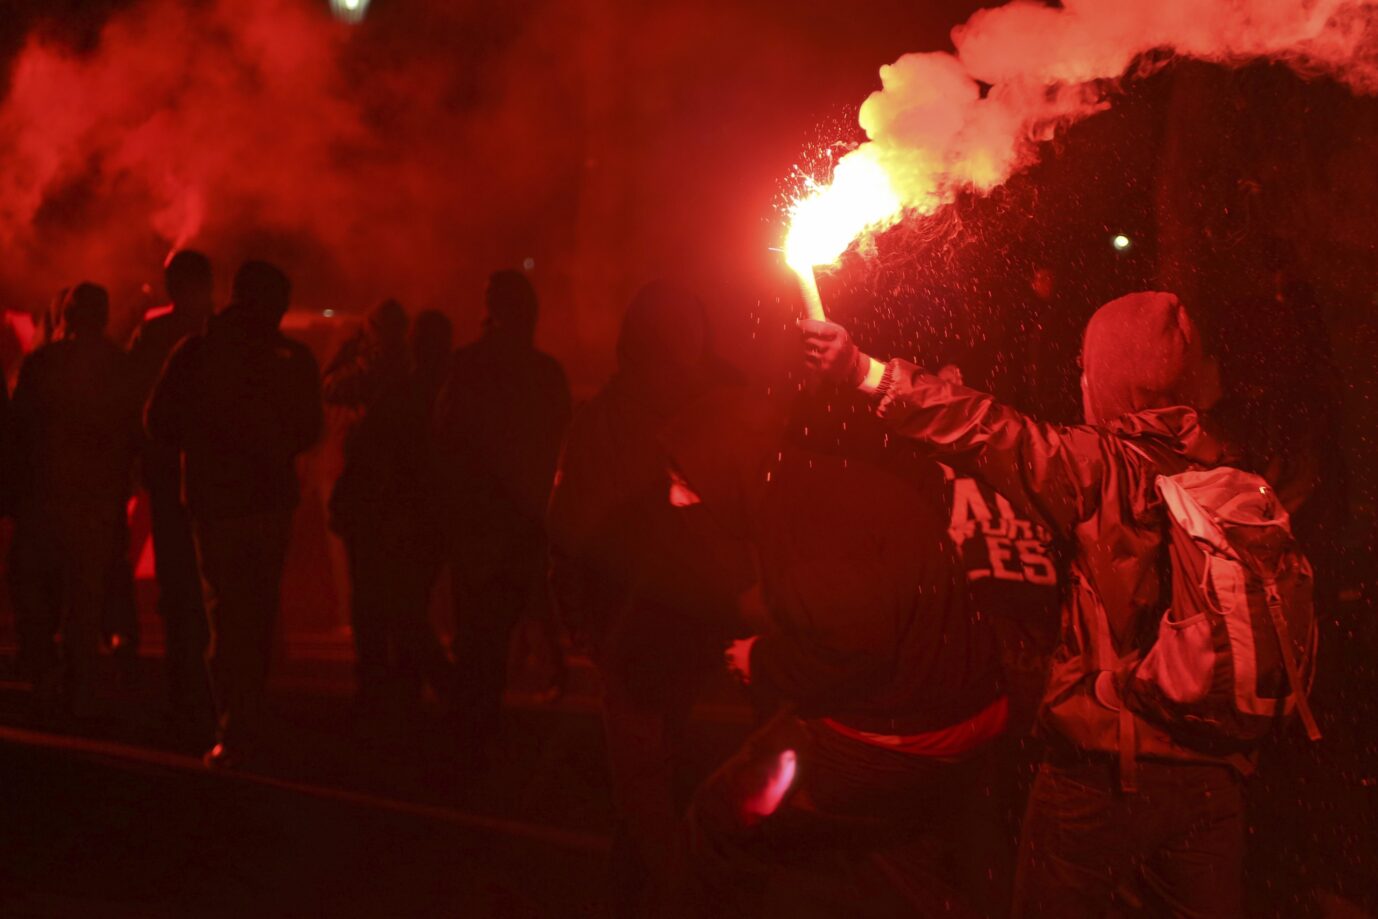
[
  {"x": 888, "y": 676},
  {"x": 499, "y": 420},
  {"x": 610, "y": 530},
  {"x": 187, "y": 278},
  {"x": 74, "y": 423},
  {"x": 240, "y": 402},
  {"x": 383, "y": 505}
]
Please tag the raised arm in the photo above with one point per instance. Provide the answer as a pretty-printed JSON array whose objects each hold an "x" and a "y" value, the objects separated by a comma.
[{"x": 1052, "y": 472}]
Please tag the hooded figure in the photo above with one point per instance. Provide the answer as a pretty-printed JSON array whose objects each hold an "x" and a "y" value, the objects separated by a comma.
[
  {"x": 73, "y": 426},
  {"x": 612, "y": 456},
  {"x": 240, "y": 402},
  {"x": 887, "y": 677},
  {"x": 498, "y": 423},
  {"x": 1146, "y": 377},
  {"x": 383, "y": 506},
  {"x": 622, "y": 582},
  {"x": 189, "y": 283}
]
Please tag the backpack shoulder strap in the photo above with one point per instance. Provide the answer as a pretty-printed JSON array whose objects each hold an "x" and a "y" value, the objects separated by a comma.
[{"x": 1289, "y": 658}]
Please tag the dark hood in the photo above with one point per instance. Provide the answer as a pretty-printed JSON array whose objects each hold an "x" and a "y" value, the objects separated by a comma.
[
  {"x": 723, "y": 445},
  {"x": 664, "y": 354}
]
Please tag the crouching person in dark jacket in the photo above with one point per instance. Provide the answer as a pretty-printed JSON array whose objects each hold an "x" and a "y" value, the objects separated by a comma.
[
  {"x": 887, "y": 679},
  {"x": 240, "y": 402}
]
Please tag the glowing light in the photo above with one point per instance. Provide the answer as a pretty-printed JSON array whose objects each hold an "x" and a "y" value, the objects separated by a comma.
[
  {"x": 349, "y": 10},
  {"x": 328, "y": 313},
  {"x": 825, "y": 221},
  {"x": 767, "y": 800},
  {"x": 1120, "y": 242},
  {"x": 827, "y": 218},
  {"x": 528, "y": 263}
]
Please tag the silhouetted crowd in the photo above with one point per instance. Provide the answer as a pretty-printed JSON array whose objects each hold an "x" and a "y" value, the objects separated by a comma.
[{"x": 956, "y": 625}]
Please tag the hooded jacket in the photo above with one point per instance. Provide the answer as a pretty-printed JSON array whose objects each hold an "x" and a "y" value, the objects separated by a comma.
[
  {"x": 870, "y": 622},
  {"x": 498, "y": 423},
  {"x": 240, "y": 402},
  {"x": 1094, "y": 488},
  {"x": 623, "y": 576}
]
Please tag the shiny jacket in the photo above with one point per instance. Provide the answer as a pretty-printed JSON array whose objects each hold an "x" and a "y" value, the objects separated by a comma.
[{"x": 1094, "y": 488}]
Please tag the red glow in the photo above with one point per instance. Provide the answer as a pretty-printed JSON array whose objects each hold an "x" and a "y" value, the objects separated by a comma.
[
  {"x": 154, "y": 312},
  {"x": 767, "y": 800}
]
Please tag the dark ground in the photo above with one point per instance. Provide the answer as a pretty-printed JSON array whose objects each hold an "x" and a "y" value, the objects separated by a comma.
[
  {"x": 335, "y": 821},
  {"x": 117, "y": 817}
]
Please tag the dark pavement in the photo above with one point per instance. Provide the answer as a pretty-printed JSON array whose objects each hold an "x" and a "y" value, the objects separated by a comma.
[{"x": 117, "y": 817}]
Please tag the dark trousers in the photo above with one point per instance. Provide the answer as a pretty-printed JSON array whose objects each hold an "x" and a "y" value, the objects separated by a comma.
[
  {"x": 59, "y": 565},
  {"x": 120, "y": 611},
  {"x": 1178, "y": 841},
  {"x": 644, "y": 732},
  {"x": 488, "y": 605},
  {"x": 180, "y": 603},
  {"x": 241, "y": 560},
  {"x": 392, "y": 569},
  {"x": 861, "y": 830}
]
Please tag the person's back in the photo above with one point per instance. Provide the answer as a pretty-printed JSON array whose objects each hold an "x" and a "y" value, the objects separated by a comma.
[
  {"x": 383, "y": 506},
  {"x": 241, "y": 401},
  {"x": 188, "y": 280},
  {"x": 612, "y": 463},
  {"x": 155, "y": 338},
  {"x": 866, "y": 589},
  {"x": 886, "y": 679},
  {"x": 75, "y": 417},
  {"x": 622, "y": 586},
  {"x": 72, "y": 436},
  {"x": 371, "y": 378},
  {"x": 498, "y": 423}
]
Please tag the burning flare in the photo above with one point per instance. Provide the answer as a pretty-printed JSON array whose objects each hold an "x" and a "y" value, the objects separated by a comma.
[
  {"x": 943, "y": 123},
  {"x": 827, "y": 218}
]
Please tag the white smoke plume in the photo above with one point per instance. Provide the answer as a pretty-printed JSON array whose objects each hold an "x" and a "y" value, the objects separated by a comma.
[{"x": 944, "y": 123}]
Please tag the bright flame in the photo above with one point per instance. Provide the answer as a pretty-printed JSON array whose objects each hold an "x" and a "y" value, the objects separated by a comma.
[{"x": 827, "y": 218}]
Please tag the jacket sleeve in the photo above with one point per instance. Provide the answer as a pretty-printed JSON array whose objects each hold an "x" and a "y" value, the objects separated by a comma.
[
  {"x": 1052, "y": 472},
  {"x": 169, "y": 405}
]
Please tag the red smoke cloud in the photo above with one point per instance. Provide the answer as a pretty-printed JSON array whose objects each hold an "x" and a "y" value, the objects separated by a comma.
[
  {"x": 613, "y": 141},
  {"x": 268, "y": 127}
]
